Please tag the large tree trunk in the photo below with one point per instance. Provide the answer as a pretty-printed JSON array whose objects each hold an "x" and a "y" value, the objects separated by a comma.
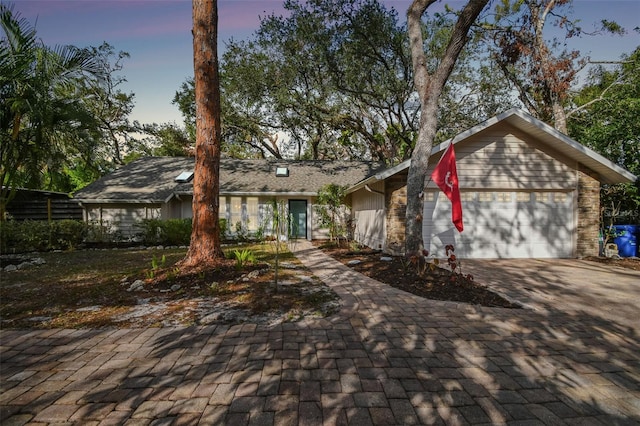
[
  {"x": 205, "y": 235},
  {"x": 429, "y": 87},
  {"x": 552, "y": 85}
]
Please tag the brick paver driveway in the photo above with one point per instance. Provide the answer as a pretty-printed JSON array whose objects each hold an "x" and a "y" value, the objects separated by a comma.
[{"x": 572, "y": 356}]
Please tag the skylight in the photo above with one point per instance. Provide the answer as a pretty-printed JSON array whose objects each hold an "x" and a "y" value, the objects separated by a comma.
[
  {"x": 282, "y": 171},
  {"x": 184, "y": 177}
]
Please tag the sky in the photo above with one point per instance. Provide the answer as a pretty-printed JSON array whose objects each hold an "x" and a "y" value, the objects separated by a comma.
[{"x": 157, "y": 36}]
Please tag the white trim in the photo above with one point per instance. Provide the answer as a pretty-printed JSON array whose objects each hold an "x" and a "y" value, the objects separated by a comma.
[{"x": 119, "y": 201}]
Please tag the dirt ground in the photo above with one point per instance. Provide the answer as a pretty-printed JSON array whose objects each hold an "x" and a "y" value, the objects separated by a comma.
[
  {"x": 142, "y": 288},
  {"x": 624, "y": 262}
]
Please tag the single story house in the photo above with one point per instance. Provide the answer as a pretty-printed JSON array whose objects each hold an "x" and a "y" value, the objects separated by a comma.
[
  {"x": 527, "y": 191},
  {"x": 161, "y": 188}
]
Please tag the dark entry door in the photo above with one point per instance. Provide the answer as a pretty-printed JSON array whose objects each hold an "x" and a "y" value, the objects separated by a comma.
[{"x": 298, "y": 216}]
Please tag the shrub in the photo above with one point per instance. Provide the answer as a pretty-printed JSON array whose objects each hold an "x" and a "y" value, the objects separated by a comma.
[
  {"x": 41, "y": 235},
  {"x": 102, "y": 232},
  {"x": 165, "y": 232},
  {"x": 151, "y": 231},
  {"x": 67, "y": 234},
  {"x": 176, "y": 232},
  {"x": 224, "y": 228}
]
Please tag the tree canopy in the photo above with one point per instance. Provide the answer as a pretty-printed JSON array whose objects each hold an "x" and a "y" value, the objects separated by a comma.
[
  {"x": 39, "y": 115},
  {"x": 606, "y": 120}
]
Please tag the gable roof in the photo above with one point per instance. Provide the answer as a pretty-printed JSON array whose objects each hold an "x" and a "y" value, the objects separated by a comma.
[
  {"x": 608, "y": 171},
  {"x": 152, "y": 179}
]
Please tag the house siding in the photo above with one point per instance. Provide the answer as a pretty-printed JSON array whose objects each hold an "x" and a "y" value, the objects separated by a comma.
[
  {"x": 499, "y": 158},
  {"x": 261, "y": 218},
  {"x": 122, "y": 218},
  {"x": 368, "y": 213}
]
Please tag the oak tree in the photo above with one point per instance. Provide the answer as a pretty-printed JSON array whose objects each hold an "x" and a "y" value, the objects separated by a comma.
[{"x": 429, "y": 85}]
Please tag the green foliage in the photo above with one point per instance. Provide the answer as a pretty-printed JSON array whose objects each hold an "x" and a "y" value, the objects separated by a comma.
[
  {"x": 331, "y": 210},
  {"x": 64, "y": 120},
  {"x": 241, "y": 231},
  {"x": 168, "y": 140},
  {"x": 326, "y": 68},
  {"x": 41, "y": 235},
  {"x": 606, "y": 120},
  {"x": 224, "y": 228},
  {"x": 40, "y": 117},
  {"x": 243, "y": 258},
  {"x": 166, "y": 232},
  {"x": 103, "y": 233},
  {"x": 156, "y": 264}
]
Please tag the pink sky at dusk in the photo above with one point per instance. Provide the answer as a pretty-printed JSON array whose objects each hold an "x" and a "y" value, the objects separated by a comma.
[{"x": 157, "y": 35}]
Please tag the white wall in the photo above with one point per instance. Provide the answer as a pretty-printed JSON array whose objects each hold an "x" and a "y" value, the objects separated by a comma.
[{"x": 369, "y": 214}]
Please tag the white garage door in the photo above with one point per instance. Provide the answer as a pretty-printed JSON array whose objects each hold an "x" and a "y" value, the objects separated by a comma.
[{"x": 502, "y": 224}]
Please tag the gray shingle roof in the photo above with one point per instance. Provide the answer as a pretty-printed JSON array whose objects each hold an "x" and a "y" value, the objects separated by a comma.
[{"x": 152, "y": 179}]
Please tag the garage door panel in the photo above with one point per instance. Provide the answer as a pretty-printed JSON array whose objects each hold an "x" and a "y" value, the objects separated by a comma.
[{"x": 502, "y": 225}]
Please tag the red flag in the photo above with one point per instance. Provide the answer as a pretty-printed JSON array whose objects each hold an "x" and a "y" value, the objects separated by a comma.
[{"x": 445, "y": 176}]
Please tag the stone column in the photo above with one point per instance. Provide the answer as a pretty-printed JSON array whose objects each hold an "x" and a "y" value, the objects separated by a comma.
[
  {"x": 396, "y": 208},
  {"x": 588, "y": 226}
]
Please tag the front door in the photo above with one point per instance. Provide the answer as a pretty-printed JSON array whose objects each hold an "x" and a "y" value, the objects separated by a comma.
[{"x": 298, "y": 219}]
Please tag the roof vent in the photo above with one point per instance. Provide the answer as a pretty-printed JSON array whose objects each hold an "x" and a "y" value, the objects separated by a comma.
[
  {"x": 282, "y": 172},
  {"x": 184, "y": 177}
]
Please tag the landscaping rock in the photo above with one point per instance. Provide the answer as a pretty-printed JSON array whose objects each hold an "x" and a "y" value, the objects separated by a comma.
[
  {"x": 136, "y": 286},
  {"x": 304, "y": 278},
  {"x": 354, "y": 262}
]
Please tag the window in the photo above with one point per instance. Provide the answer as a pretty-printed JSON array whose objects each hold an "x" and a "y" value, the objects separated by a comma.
[
  {"x": 541, "y": 197},
  {"x": 560, "y": 197},
  {"x": 222, "y": 209},
  {"x": 467, "y": 196},
  {"x": 523, "y": 197},
  {"x": 503, "y": 197},
  {"x": 235, "y": 211},
  {"x": 252, "y": 216},
  {"x": 485, "y": 197}
]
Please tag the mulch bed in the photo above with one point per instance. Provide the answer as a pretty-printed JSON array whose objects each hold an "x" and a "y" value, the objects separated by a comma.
[{"x": 439, "y": 284}]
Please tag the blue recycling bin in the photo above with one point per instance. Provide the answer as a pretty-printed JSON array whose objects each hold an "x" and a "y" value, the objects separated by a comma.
[{"x": 627, "y": 240}]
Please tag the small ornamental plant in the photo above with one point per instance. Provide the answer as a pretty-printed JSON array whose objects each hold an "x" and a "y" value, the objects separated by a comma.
[{"x": 424, "y": 262}]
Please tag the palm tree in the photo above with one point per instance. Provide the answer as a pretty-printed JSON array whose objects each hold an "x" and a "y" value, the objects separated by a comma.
[{"x": 38, "y": 108}]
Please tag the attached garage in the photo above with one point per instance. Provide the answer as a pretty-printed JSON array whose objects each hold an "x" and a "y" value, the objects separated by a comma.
[
  {"x": 503, "y": 224},
  {"x": 527, "y": 191}
]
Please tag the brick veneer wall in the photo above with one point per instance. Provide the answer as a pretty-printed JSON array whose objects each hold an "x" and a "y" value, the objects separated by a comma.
[
  {"x": 396, "y": 208},
  {"x": 588, "y": 226}
]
